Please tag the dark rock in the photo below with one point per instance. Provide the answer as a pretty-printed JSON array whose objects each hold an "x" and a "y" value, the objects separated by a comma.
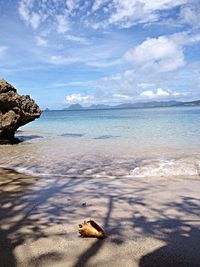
[{"x": 15, "y": 111}]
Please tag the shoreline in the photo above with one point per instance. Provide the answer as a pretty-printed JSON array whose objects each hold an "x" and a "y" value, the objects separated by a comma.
[{"x": 146, "y": 220}]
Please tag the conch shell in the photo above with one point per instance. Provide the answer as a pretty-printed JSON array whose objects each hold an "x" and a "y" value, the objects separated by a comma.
[{"x": 91, "y": 229}]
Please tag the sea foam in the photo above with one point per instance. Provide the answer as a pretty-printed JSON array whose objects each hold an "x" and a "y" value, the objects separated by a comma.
[{"x": 166, "y": 168}]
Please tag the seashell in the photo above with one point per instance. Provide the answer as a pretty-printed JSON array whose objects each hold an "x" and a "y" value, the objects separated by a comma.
[{"x": 91, "y": 229}]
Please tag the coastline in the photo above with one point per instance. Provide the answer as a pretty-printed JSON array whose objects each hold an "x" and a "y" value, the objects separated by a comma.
[
  {"x": 152, "y": 221},
  {"x": 100, "y": 133}
]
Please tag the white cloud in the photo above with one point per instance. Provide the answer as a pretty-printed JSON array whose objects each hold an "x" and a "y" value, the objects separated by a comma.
[
  {"x": 160, "y": 53},
  {"x": 123, "y": 97},
  {"x": 28, "y": 15},
  {"x": 147, "y": 94},
  {"x": 155, "y": 63},
  {"x": 75, "y": 84},
  {"x": 161, "y": 4},
  {"x": 78, "y": 99},
  {"x": 78, "y": 39},
  {"x": 160, "y": 93},
  {"x": 103, "y": 13},
  {"x": 98, "y": 4},
  {"x": 98, "y": 56},
  {"x": 66, "y": 84},
  {"x": 35, "y": 20},
  {"x": 63, "y": 60},
  {"x": 98, "y": 98},
  {"x": 24, "y": 9},
  {"x": 103, "y": 64},
  {"x": 35, "y": 12},
  {"x": 2, "y": 51},
  {"x": 129, "y": 74},
  {"x": 119, "y": 98},
  {"x": 189, "y": 14},
  {"x": 63, "y": 23},
  {"x": 129, "y": 12},
  {"x": 115, "y": 83},
  {"x": 71, "y": 4},
  {"x": 145, "y": 85},
  {"x": 41, "y": 41},
  {"x": 185, "y": 38}
]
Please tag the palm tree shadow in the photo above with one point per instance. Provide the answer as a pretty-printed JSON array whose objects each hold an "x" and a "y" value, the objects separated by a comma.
[
  {"x": 7, "y": 259},
  {"x": 180, "y": 251},
  {"x": 93, "y": 250},
  {"x": 182, "y": 237},
  {"x": 18, "y": 202}
]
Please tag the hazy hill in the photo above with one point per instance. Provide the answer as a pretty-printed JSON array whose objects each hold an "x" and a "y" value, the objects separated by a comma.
[{"x": 152, "y": 104}]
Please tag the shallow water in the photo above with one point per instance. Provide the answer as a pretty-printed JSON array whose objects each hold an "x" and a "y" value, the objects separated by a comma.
[{"x": 102, "y": 143}]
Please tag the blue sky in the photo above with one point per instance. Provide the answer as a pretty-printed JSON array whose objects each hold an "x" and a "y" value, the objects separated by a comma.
[{"x": 63, "y": 52}]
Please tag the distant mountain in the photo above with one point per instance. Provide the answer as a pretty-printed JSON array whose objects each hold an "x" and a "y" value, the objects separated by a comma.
[
  {"x": 74, "y": 107},
  {"x": 191, "y": 103},
  {"x": 100, "y": 106},
  {"x": 152, "y": 104}
]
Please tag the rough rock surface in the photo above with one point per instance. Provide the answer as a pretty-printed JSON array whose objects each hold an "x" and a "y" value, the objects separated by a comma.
[{"x": 15, "y": 111}]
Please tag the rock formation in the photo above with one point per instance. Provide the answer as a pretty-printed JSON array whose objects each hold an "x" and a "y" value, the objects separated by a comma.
[{"x": 15, "y": 111}]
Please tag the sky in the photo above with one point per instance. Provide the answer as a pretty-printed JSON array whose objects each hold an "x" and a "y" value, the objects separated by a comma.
[{"x": 64, "y": 52}]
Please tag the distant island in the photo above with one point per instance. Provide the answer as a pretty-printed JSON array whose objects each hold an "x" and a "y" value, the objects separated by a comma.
[{"x": 152, "y": 104}]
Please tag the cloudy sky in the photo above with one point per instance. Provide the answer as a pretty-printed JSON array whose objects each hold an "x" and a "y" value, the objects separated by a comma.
[{"x": 63, "y": 52}]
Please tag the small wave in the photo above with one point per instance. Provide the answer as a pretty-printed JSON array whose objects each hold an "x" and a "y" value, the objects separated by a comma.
[
  {"x": 23, "y": 170},
  {"x": 166, "y": 168},
  {"x": 145, "y": 168},
  {"x": 35, "y": 173}
]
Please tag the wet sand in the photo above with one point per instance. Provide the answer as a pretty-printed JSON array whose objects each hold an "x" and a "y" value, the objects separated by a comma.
[{"x": 149, "y": 221}]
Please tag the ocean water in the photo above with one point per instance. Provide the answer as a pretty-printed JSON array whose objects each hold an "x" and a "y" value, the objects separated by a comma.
[{"x": 103, "y": 143}]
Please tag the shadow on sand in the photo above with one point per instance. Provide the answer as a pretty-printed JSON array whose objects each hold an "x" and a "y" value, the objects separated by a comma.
[
  {"x": 34, "y": 205},
  {"x": 24, "y": 138}
]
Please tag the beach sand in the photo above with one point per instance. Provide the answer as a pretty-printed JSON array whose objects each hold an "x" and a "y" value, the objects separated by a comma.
[{"x": 149, "y": 221}]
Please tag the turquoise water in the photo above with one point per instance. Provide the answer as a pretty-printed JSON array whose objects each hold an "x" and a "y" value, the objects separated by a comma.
[
  {"x": 122, "y": 142},
  {"x": 180, "y": 126}
]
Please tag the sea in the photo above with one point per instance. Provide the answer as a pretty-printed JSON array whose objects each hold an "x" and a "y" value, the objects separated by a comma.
[{"x": 156, "y": 142}]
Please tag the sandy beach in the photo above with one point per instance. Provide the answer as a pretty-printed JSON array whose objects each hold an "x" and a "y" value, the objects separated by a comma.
[
  {"x": 100, "y": 126},
  {"x": 149, "y": 221}
]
